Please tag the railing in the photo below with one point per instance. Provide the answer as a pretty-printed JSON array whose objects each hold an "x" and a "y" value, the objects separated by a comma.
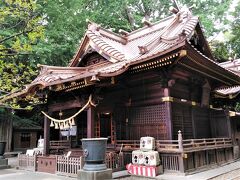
[
  {"x": 68, "y": 166},
  {"x": 183, "y": 156},
  {"x": 170, "y": 162},
  {"x": 114, "y": 161},
  {"x": 210, "y": 143},
  {"x": 167, "y": 145},
  {"x": 27, "y": 162},
  {"x": 127, "y": 145},
  {"x": 179, "y": 145}
]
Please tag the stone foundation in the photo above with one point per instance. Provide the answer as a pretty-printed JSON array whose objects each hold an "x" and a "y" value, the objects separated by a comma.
[
  {"x": 94, "y": 175},
  {"x": 4, "y": 164}
]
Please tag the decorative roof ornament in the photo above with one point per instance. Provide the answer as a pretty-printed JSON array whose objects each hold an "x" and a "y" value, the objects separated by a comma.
[
  {"x": 143, "y": 49},
  {"x": 182, "y": 12},
  {"x": 94, "y": 78},
  {"x": 185, "y": 14},
  {"x": 123, "y": 32},
  {"x": 92, "y": 26},
  {"x": 176, "y": 4},
  {"x": 173, "y": 10},
  {"x": 146, "y": 22}
]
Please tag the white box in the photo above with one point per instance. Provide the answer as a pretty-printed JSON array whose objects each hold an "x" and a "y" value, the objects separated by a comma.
[
  {"x": 138, "y": 157},
  {"x": 147, "y": 143},
  {"x": 151, "y": 158}
]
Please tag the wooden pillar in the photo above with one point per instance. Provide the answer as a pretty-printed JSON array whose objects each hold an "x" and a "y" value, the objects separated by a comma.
[
  {"x": 46, "y": 136},
  {"x": 193, "y": 122},
  {"x": 181, "y": 150},
  {"x": 234, "y": 130},
  {"x": 180, "y": 141},
  {"x": 90, "y": 122},
  {"x": 168, "y": 114},
  {"x": 229, "y": 126}
]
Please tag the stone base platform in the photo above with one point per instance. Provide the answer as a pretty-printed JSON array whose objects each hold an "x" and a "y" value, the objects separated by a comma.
[
  {"x": 4, "y": 164},
  {"x": 95, "y": 175}
]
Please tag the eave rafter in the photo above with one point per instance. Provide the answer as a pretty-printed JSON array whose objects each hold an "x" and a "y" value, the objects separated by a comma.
[{"x": 208, "y": 67}]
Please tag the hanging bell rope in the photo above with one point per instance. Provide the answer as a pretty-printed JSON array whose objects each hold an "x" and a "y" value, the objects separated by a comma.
[{"x": 73, "y": 116}]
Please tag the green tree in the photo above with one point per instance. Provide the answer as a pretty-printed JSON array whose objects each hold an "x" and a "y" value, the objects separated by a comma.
[
  {"x": 22, "y": 27},
  {"x": 234, "y": 40},
  {"x": 66, "y": 21}
]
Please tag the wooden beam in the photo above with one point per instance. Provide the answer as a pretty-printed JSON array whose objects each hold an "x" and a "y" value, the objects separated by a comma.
[
  {"x": 90, "y": 122},
  {"x": 64, "y": 105},
  {"x": 46, "y": 136}
]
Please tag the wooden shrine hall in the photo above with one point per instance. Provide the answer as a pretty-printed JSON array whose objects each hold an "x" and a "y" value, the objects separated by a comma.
[{"x": 159, "y": 81}]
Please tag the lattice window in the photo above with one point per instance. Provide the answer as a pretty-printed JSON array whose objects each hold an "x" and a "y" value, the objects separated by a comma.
[{"x": 148, "y": 114}]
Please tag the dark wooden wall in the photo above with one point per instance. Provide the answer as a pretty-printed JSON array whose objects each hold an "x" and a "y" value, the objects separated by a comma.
[
  {"x": 146, "y": 114},
  {"x": 135, "y": 103},
  {"x": 202, "y": 122},
  {"x": 220, "y": 123},
  {"x": 181, "y": 91},
  {"x": 147, "y": 121},
  {"x": 182, "y": 120},
  {"x": 19, "y": 145},
  {"x": 136, "y": 107}
]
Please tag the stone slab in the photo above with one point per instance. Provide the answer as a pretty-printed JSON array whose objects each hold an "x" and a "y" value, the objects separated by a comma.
[
  {"x": 4, "y": 164},
  {"x": 94, "y": 175},
  {"x": 5, "y": 167}
]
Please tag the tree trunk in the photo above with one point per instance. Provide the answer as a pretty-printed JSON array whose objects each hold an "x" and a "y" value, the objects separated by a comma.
[{"x": 130, "y": 17}]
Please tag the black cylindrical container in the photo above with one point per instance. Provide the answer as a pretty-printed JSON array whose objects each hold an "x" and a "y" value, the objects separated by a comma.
[{"x": 94, "y": 150}]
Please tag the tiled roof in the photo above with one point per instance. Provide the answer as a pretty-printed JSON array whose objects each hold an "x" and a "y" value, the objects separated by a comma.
[
  {"x": 233, "y": 91},
  {"x": 106, "y": 47},
  {"x": 153, "y": 40},
  {"x": 26, "y": 124},
  {"x": 142, "y": 44},
  {"x": 51, "y": 74},
  {"x": 121, "y": 51},
  {"x": 234, "y": 67}
]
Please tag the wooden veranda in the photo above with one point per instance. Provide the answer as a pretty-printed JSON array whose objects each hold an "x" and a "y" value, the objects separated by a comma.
[{"x": 178, "y": 156}]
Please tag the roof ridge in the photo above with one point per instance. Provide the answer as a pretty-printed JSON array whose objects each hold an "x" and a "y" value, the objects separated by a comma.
[
  {"x": 61, "y": 67},
  {"x": 153, "y": 24}
]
